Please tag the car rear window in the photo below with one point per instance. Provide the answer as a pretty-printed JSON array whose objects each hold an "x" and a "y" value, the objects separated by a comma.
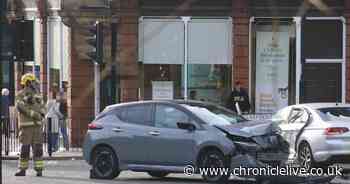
[{"x": 334, "y": 113}]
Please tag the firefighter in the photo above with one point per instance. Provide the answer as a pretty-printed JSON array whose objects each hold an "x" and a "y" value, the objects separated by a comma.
[{"x": 31, "y": 109}]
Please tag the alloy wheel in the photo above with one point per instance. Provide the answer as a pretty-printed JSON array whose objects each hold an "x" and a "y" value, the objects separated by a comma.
[
  {"x": 305, "y": 157},
  {"x": 213, "y": 160}
]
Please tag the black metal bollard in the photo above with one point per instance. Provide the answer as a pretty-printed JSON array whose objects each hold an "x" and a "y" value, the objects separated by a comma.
[
  {"x": 49, "y": 136},
  {"x": 1, "y": 124},
  {"x": 6, "y": 132}
]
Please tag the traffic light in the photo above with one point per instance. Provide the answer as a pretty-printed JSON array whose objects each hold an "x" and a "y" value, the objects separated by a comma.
[
  {"x": 96, "y": 41},
  {"x": 24, "y": 49}
]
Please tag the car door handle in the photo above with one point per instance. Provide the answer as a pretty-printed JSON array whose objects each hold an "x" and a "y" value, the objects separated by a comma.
[
  {"x": 118, "y": 130},
  {"x": 154, "y": 133}
]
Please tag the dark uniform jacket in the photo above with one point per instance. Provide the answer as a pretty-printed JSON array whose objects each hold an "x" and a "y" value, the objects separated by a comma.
[{"x": 240, "y": 97}]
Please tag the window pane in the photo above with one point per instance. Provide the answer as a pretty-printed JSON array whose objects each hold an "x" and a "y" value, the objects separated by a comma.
[
  {"x": 162, "y": 41},
  {"x": 209, "y": 82},
  {"x": 139, "y": 114},
  {"x": 168, "y": 117},
  {"x": 328, "y": 34},
  {"x": 171, "y": 73},
  {"x": 210, "y": 41}
]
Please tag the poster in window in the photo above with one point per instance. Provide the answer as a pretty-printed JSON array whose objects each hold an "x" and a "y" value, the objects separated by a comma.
[
  {"x": 272, "y": 63},
  {"x": 162, "y": 90}
]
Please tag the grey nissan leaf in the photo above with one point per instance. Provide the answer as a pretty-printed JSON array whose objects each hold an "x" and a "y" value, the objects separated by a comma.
[{"x": 163, "y": 137}]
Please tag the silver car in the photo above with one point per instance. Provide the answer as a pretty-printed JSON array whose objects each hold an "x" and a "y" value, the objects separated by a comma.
[
  {"x": 162, "y": 137},
  {"x": 318, "y": 133}
]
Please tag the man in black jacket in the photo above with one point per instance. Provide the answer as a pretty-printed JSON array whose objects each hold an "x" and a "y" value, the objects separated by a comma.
[{"x": 239, "y": 95}]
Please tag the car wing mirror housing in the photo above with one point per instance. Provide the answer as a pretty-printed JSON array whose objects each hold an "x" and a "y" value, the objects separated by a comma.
[{"x": 186, "y": 126}]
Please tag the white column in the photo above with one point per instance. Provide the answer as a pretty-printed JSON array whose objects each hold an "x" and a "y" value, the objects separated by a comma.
[
  {"x": 344, "y": 62},
  {"x": 186, "y": 20},
  {"x": 298, "y": 71},
  {"x": 62, "y": 58},
  {"x": 48, "y": 53}
]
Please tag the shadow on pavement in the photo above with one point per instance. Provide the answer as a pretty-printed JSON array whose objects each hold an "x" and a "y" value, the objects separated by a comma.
[{"x": 144, "y": 180}]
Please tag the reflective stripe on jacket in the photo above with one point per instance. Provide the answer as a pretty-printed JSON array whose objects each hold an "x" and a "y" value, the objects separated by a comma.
[{"x": 27, "y": 124}]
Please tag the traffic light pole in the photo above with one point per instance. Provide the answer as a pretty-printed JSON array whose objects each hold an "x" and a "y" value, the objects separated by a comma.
[
  {"x": 96, "y": 56},
  {"x": 97, "y": 88}
]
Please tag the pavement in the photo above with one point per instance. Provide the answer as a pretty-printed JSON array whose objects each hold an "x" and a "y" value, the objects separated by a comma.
[
  {"x": 77, "y": 172},
  {"x": 74, "y": 154}
]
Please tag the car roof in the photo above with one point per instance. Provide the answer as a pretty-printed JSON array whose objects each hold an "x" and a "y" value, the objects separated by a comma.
[
  {"x": 323, "y": 105},
  {"x": 160, "y": 101}
]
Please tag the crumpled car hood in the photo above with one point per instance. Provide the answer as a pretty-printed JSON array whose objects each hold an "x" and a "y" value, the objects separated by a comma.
[
  {"x": 250, "y": 129},
  {"x": 264, "y": 133}
]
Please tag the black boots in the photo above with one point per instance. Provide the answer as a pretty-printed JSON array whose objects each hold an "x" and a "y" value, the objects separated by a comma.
[
  {"x": 39, "y": 173},
  {"x": 20, "y": 173},
  {"x": 23, "y": 173}
]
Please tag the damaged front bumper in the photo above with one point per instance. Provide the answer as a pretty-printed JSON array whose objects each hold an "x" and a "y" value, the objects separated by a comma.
[{"x": 247, "y": 166}]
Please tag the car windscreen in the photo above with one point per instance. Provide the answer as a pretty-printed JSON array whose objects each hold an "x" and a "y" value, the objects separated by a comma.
[
  {"x": 334, "y": 113},
  {"x": 215, "y": 116}
]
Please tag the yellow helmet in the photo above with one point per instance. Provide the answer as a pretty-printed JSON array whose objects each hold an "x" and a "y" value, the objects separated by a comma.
[{"x": 27, "y": 77}]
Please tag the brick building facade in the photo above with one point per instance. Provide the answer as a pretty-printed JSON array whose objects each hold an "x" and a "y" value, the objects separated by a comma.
[{"x": 248, "y": 19}]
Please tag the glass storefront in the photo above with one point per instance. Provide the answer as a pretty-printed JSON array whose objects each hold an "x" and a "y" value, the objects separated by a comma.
[
  {"x": 211, "y": 83},
  {"x": 273, "y": 64},
  {"x": 184, "y": 57}
]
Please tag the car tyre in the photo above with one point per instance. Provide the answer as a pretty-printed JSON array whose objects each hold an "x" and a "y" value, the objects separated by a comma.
[
  {"x": 104, "y": 164},
  {"x": 214, "y": 159},
  {"x": 158, "y": 174},
  {"x": 305, "y": 157}
]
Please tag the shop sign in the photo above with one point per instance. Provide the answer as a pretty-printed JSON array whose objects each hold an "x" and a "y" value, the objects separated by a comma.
[
  {"x": 162, "y": 90},
  {"x": 272, "y": 61}
]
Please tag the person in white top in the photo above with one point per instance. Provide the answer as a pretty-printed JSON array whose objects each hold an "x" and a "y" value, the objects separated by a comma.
[{"x": 53, "y": 115}]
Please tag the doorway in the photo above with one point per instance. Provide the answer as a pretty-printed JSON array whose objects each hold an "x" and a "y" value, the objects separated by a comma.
[{"x": 323, "y": 64}]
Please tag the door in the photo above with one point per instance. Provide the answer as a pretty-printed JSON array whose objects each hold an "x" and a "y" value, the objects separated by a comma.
[
  {"x": 323, "y": 60},
  {"x": 322, "y": 82},
  {"x": 170, "y": 145},
  {"x": 296, "y": 121},
  {"x": 130, "y": 135}
]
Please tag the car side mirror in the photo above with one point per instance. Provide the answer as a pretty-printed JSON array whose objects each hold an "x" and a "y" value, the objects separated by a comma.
[{"x": 186, "y": 126}]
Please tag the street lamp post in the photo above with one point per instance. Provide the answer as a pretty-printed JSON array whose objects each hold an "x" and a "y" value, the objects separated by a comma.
[{"x": 3, "y": 7}]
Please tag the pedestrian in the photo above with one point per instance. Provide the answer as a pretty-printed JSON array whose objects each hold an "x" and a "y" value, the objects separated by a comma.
[
  {"x": 53, "y": 117},
  {"x": 31, "y": 109},
  {"x": 193, "y": 95},
  {"x": 5, "y": 117},
  {"x": 63, "y": 122},
  {"x": 239, "y": 96}
]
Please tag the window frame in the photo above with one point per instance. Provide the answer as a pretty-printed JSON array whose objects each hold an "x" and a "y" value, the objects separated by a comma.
[
  {"x": 330, "y": 60},
  {"x": 341, "y": 61},
  {"x": 296, "y": 120},
  {"x": 126, "y": 109}
]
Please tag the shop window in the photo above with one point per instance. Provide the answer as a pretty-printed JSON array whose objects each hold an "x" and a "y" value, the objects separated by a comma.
[
  {"x": 322, "y": 52},
  {"x": 273, "y": 65},
  {"x": 208, "y": 68},
  {"x": 209, "y": 41},
  {"x": 209, "y": 82},
  {"x": 156, "y": 72},
  {"x": 162, "y": 41},
  {"x": 328, "y": 34}
]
